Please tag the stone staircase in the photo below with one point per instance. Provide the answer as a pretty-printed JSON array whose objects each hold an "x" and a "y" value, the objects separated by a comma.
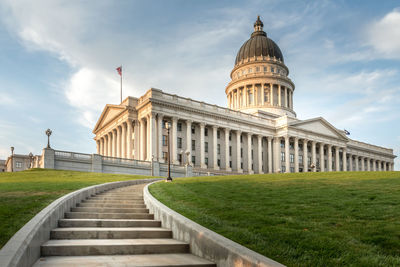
[{"x": 115, "y": 229}]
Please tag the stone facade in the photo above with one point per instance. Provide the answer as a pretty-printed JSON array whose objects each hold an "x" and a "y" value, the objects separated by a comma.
[{"x": 257, "y": 133}]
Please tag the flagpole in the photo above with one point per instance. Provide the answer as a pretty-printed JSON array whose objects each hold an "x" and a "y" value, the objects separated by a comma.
[{"x": 121, "y": 84}]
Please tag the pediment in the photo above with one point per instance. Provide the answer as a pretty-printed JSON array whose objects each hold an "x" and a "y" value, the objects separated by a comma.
[
  {"x": 110, "y": 112},
  {"x": 319, "y": 126}
]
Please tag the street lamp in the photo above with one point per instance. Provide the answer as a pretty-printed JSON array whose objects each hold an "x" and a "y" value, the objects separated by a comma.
[
  {"x": 31, "y": 160},
  {"x": 48, "y": 133},
  {"x": 167, "y": 126},
  {"x": 12, "y": 159}
]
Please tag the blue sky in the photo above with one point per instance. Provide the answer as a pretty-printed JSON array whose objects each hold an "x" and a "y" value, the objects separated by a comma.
[{"x": 58, "y": 61}]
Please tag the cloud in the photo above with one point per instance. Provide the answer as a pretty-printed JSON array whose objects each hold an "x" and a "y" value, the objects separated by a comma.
[{"x": 384, "y": 35}]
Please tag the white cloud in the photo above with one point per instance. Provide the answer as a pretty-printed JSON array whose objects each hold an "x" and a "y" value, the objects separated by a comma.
[{"x": 384, "y": 34}]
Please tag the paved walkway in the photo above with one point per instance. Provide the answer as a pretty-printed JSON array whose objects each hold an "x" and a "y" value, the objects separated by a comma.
[{"x": 115, "y": 229}]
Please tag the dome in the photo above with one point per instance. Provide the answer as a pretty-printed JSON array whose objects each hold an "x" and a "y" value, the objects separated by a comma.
[{"x": 259, "y": 45}]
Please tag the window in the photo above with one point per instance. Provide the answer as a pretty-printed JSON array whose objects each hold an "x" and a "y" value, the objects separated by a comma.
[
  {"x": 230, "y": 150},
  {"x": 179, "y": 127},
  {"x": 262, "y": 155},
  {"x": 241, "y": 152},
  {"x": 205, "y": 132},
  {"x": 250, "y": 97},
  {"x": 18, "y": 164},
  {"x": 291, "y": 169},
  {"x": 218, "y": 134},
  {"x": 250, "y": 70},
  {"x": 243, "y": 72},
  {"x": 165, "y": 156},
  {"x": 301, "y": 159},
  {"x": 266, "y": 96},
  {"x": 206, "y": 147},
  {"x": 265, "y": 69},
  {"x": 218, "y": 149},
  {"x": 163, "y": 124},
  {"x": 300, "y": 147},
  {"x": 291, "y": 158},
  {"x": 291, "y": 145},
  {"x": 283, "y": 169},
  {"x": 193, "y": 130},
  {"x": 282, "y": 144},
  {"x": 283, "y": 156},
  {"x": 179, "y": 142},
  {"x": 241, "y": 139},
  {"x": 272, "y": 69},
  {"x": 309, "y": 160},
  {"x": 180, "y": 158},
  {"x": 230, "y": 136},
  {"x": 206, "y": 161},
  {"x": 194, "y": 159},
  {"x": 252, "y": 156},
  {"x": 257, "y": 69},
  {"x": 219, "y": 163},
  {"x": 241, "y": 165},
  {"x": 230, "y": 164},
  {"x": 193, "y": 144},
  {"x": 164, "y": 140}
]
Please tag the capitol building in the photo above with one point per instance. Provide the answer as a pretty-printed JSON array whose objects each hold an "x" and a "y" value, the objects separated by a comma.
[{"x": 258, "y": 131}]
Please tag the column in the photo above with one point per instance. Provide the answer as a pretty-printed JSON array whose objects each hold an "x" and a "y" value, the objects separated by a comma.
[
  {"x": 277, "y": 154},
  {"x": 384, "y": 166},
  {"x": 105, "y": 145},
  {"x": 272, "y": 94},
  {"x": 286, "y": 97},
  {"x": 118, "y": 153},
  {"x": 279, "y": 96},
  {"x": 189, "y": 140},
  {"x": 350, "y": 162},
  {"x": 129, "y": 145},
  {"x": 227, "y": 167},
  {"x": 329, "y": 158},
  {"x": 98, "y": 146},
  {"x": 249, "y": 158},
  {"x": 174, "y": 140},
  {"x": 142, "y": 139},
  {"x": 296, "y": 154},
  {"x": 379, "y": 166},
  {"x": 123, "y": 141},
  {"x": 136, "y": 133},
  {"x": 110, "y": 141},
  {"x": 269, "y": 139},
  {"x": 238, "y": 147},
  {"x": 305, "y": 155},
  {"x": 254, "y": 95},
  {"x": 321, "y": 157},
  {"x": 202, "y": 153},
  {"x": 160, "y": 126},
  {"x": 114, "y": 144},
  {"x": 368, "y": 164},
  {"x": 152, "y": 137},
  {"x": 287, "y": 154},
  {"x": 337, "y": 159},
  {"x": 374, "y": 165},
  {"x": 259, "y": 153},
  {"x": 314, "y": 155},
  {"x": 290, "y": 99},
  {"x": 344, "y": 155},
  {"x": 214, "y": 148},
  {"x": 362, "y": 164},
  {"x": 262, "y": 94},
  {"x": 356, "y": 159}
]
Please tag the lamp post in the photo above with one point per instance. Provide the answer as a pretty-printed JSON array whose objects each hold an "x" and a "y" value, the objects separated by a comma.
[
  {"x": 12, "y": 159},
  {"x": 48, "y": 133},
  {"x": 31, "y": 160},
  {"x": 167, "y": 126}
]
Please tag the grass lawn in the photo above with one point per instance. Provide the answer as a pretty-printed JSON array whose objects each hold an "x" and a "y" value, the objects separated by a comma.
[
  {"x": 312, "y": 219},
  {"x": 24, "y": 194}
]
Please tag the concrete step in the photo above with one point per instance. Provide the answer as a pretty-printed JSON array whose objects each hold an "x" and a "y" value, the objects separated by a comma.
[
  {"x": 132, "y": 202},
  {"x": 121, "y": 195},
  {"x": 109, "y": 233},
  {"x": 108, "y": 223},
  {"x": 109, "y": 210},
  {"x": 149, "y": 260},
  {"x": 86, "y": 247},
  {"x": 96, "y": 215},
  {"x": 116, "y": 198},
  {"x": 129, "y": 206}
]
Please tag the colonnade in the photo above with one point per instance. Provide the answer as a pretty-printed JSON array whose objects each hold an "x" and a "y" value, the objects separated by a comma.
[
  {"x": 220, "y": 148},
  {"x": 259, "y": 95}
]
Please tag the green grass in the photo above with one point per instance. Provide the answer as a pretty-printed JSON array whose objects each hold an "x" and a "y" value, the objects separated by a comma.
[
  {"x": 313, "y": 219},
  {"x": 24, "y": 194}
]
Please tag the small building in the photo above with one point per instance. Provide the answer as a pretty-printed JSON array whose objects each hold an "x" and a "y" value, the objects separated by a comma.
[{"x": 18, "y": 162}]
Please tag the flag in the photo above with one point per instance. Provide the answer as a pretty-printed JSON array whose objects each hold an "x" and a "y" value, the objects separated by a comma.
[
  {"x": 119, "y": 69},
  {"x": 346, "y": 132}
]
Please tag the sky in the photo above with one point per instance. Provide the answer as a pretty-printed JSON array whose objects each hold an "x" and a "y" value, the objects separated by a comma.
[{"x": 58, "y": 61}]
